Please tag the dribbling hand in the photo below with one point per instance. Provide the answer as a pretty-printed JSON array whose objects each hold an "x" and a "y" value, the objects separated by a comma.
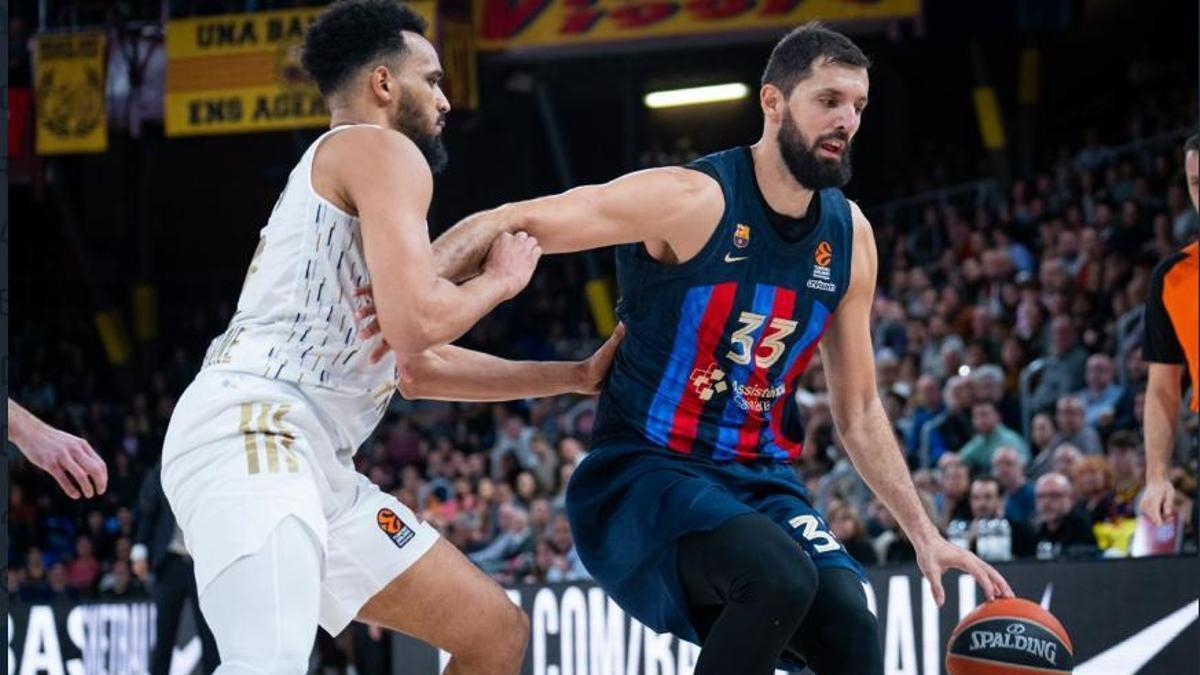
[
  {"x": 511, "y": 260},
  {"x": 940, "y": 556}
]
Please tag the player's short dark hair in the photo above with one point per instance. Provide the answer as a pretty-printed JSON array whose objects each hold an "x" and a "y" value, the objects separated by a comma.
[
  {"x": 1192, "y": 144},
  {"x": 793, "y": 57},
  {"x": 352, "y": 34}
]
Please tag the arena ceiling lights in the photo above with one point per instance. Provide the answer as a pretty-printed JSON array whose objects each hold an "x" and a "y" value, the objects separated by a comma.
[{"x": 671, "y": 98}]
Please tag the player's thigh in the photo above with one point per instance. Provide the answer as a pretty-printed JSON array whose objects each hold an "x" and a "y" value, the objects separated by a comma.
[
  {"x": 386, "y": 567},
  {"x": 446, "y": 601},
  {"x": 807, "y": 526},
  {"x": 372, "y": 540}
]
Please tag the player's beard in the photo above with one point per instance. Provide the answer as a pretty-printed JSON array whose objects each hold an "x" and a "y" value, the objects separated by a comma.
[
  {"x": 429, "y": 142},
  {"x": 802, "y": 161}
]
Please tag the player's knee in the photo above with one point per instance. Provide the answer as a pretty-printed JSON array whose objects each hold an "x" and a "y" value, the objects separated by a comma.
[
  {"x": 502, "y": 650},
  {"x": 858, "y": 620},
  {"x": 512, "y": 634},
  {"x": 791, "y": 581},
  {"x": 517, "y": 636},
  {"x": 761, "y": 564},
  {"x": 777, "y": 569}
]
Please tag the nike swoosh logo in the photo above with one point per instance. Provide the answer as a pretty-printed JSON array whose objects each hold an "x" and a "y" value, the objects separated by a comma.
[
  {"x": 731, "y": 259},
  {"x": 1132, "y": 654}
]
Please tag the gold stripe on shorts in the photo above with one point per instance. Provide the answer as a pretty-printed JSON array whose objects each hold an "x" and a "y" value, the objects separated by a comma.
[{"x": 251, "y": 444}]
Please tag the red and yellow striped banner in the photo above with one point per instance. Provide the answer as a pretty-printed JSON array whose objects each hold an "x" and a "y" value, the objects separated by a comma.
[{"x": 514, "y": 24}]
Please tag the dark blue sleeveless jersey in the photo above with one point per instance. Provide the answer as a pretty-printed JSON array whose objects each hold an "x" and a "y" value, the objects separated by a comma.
[{"x": 715, "y": 345}]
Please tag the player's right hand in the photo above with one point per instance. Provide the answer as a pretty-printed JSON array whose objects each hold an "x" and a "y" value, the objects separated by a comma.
[
  {"x": 595, "y": 368},
  {"x": 939, "y": 555},
  {"x": 65, "y": 457},
  {"x": 1158, "y": 501},
  {"x": 511, "y": 261}
]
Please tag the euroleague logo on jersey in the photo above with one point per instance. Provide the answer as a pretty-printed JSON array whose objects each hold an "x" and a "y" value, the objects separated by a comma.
[
  {"x": 824, "y": 254},
  {"x": 824, "y": 258},
  {"x": 393, "y": 527}
]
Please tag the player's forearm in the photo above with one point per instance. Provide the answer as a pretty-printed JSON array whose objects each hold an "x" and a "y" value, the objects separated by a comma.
[
  {"x": 22, "y": 424},
  {"x": 562, "y": 223},
  {"x": 456, "y": 374},
  {"x": 459, "y": 253},
  {"x": 440, "y": 315},
  {"x": 872, "y": 448},
  {"x": 1160, "y": 418}
]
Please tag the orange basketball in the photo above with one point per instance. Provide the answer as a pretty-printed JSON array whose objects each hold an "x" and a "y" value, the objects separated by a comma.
[{"x": 1009, "y": 635}]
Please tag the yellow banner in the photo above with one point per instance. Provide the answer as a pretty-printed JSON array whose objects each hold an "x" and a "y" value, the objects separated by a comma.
[
  {"x": 460, "y": 63},
  {"x": 69, "y": 88},
  {"x": 509, "y": 24},
  {"x": 237, "y": 73}
]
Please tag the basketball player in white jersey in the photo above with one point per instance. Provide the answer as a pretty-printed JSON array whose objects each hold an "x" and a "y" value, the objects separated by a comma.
[{"x": 257, "y": 462}]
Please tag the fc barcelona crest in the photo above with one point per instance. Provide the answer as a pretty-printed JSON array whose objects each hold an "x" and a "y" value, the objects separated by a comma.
[{"x": 741, "y": 235}]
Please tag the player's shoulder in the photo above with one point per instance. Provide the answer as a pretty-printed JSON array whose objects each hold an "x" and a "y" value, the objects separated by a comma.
[
  {"x": 859, "y": 223},
  {"x": 674, "y": 187},
  {"x": 856, "y": 215},
  {"x": 681, "y": 179},
  {"x": 364, "y": 146}
]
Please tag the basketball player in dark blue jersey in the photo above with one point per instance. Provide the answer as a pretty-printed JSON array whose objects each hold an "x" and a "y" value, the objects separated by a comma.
[{"x": 732, "y": 270}]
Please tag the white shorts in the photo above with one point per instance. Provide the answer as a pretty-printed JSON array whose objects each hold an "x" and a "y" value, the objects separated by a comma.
[{"x": 244, "y": 452}]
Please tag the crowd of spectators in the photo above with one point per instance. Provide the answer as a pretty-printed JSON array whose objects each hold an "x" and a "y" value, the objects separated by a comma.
[{"x": 1007, "y": 330}]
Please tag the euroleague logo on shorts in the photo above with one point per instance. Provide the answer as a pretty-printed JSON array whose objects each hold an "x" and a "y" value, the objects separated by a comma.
[
  {"x": 394, "y": 528},
  {"x": 824, "y": 258}
]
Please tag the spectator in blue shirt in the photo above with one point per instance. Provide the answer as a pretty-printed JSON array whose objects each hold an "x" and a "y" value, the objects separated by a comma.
[
  {"x": 1106, "y": 403},
  {"x": 929, "y": 406},
  {"x": 1008, "y": 468}
]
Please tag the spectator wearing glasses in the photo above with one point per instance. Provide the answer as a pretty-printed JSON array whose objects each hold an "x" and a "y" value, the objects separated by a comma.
[{"x": 1061, "y": 530}]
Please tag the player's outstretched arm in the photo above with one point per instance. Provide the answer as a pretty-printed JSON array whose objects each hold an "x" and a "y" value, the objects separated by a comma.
[
  {"x": 867, "y": 434},
  {"x": 451, "y": 373},
  {"x": 668, "y": 205},
  {"x": 382, "y": 176},
  {"x": 63, "y": 456}
]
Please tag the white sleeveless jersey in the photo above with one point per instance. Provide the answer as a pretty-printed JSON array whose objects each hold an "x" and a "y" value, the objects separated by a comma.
[{"x": 295, "y": 317}]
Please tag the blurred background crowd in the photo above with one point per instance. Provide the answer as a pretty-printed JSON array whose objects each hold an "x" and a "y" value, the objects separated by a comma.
[{"x": 1008, "y": 349}]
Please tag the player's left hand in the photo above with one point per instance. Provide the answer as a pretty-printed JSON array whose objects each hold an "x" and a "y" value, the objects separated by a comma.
[
  {"x": 594, "y": 369},
  {"x": 939, "y": 556},
  {"x": 365, "y": 316}
]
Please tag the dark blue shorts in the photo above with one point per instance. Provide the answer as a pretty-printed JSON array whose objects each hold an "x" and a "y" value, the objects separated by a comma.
[{"x": 629, "y": 504}]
